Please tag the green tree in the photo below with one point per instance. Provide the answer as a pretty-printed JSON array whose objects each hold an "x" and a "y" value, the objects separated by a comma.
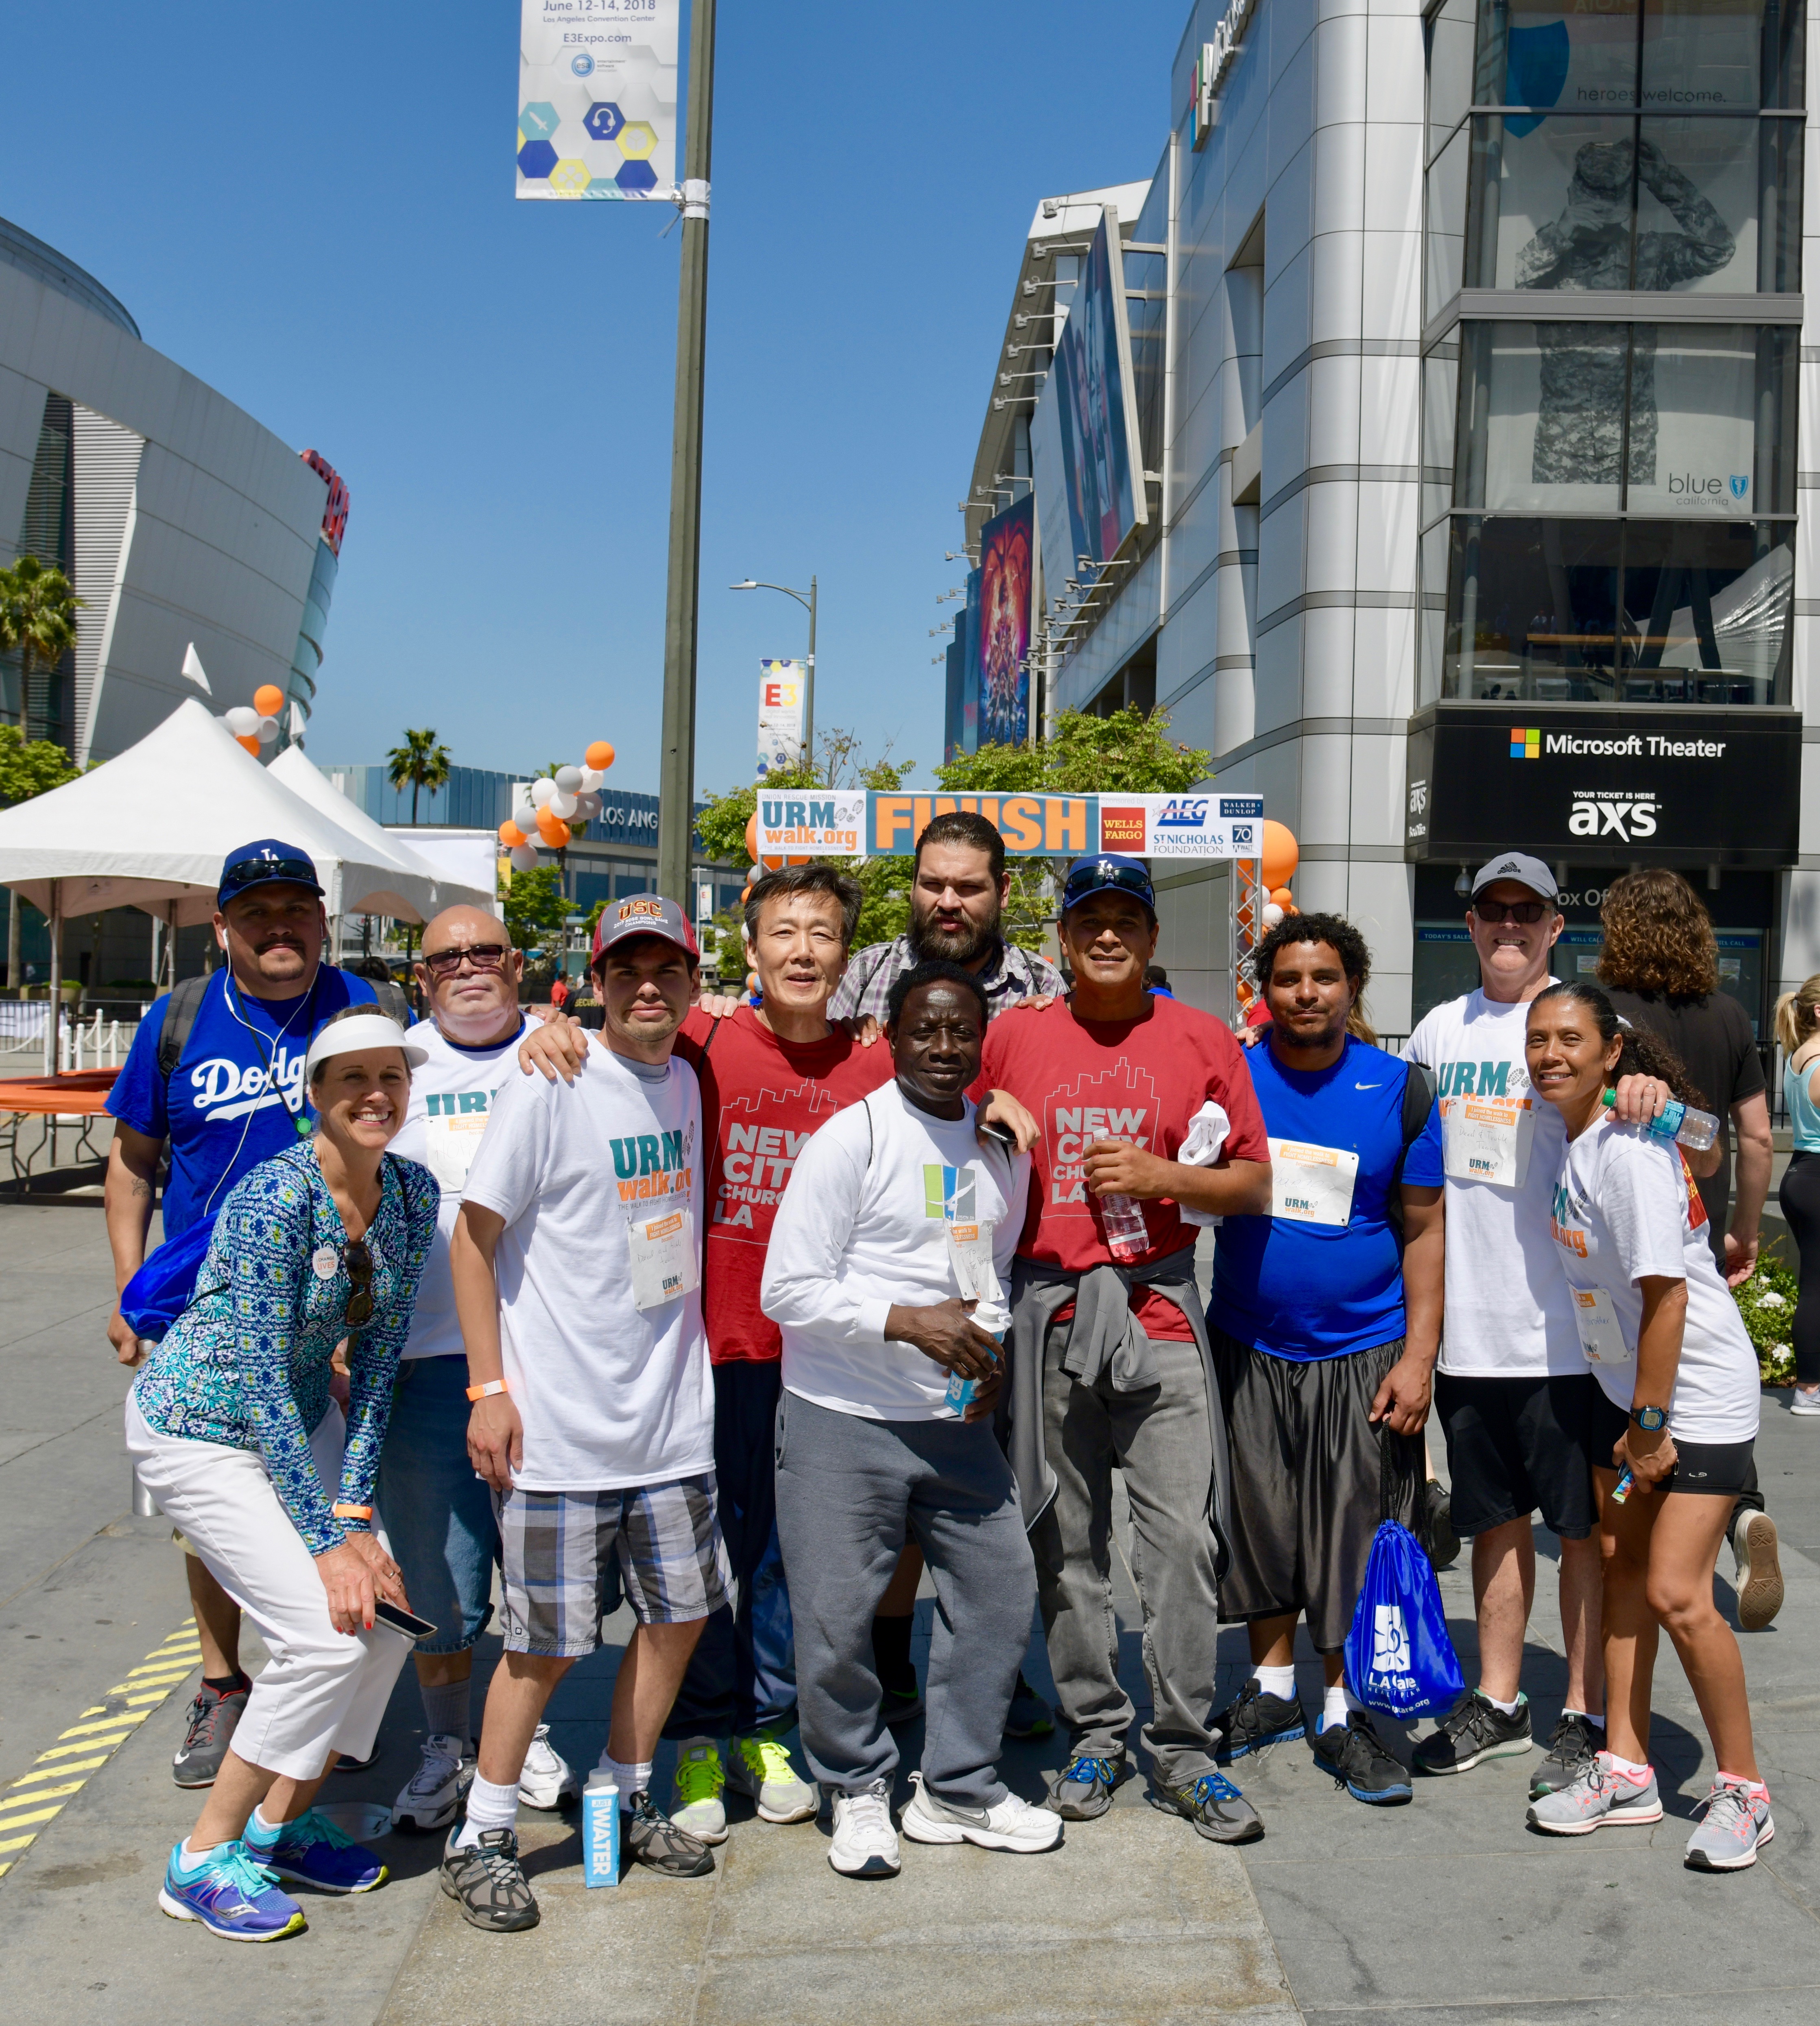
[
  {"x": 421, "y": 761},
  {"x": 28, "y": 766},
  {"x": 37, "y": 610},
  {"x": 534, "y": 904}
]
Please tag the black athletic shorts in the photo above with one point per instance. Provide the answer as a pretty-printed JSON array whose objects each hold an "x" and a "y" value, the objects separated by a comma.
[
  {"x": 1515, "y": 1446},
  {"x": 1307, "y": 1483},
  {"x": 1725, "y": 1469}
]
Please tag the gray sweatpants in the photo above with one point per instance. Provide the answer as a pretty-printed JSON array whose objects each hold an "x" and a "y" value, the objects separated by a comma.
[
  {"x": 1162, "y": 1439},
  {"x": 849, "y": 1492}
]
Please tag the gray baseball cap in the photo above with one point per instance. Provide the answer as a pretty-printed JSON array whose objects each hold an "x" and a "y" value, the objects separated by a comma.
[{"x": 1517, "y": 865}]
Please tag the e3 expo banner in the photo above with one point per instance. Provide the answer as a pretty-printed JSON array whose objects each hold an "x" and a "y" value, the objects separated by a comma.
[{"x": 864, "y": 822}]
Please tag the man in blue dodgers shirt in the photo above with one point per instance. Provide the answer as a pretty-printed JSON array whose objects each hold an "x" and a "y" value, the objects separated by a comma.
[
  {"x": 236, "y": 1097},
  {"x": 1324, "y": 1327}
]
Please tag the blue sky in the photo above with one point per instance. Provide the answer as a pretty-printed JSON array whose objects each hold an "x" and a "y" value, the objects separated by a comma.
[{"x": 311, "y": 208}]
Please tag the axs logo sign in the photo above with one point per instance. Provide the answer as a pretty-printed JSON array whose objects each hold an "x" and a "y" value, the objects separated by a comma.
[{"x": 1613, "y": 813}]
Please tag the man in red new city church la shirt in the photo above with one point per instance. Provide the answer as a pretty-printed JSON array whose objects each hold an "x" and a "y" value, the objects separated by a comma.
[{"x": 1111, "y": 1363}]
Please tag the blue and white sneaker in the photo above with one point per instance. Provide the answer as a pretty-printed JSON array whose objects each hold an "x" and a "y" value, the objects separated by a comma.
[
  {"x": 230, "y": 1894},
  {"x": 314, "y": 1852}
]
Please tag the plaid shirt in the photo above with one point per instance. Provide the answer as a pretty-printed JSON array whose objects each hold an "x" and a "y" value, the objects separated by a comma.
[{"x": 1013, "y": 974}]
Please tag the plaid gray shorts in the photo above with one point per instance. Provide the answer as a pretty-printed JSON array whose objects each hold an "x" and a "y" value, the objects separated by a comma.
[{"x": 558, "y": 1547}]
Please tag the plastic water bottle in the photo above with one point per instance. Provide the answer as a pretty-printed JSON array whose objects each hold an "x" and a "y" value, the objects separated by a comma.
[
  {"x": 1682, "y": 1122},
  {"x": 995, "y": 1319},
  {"x": 599, "y": 1831},
  {"x": 1125, "y": 1234}
]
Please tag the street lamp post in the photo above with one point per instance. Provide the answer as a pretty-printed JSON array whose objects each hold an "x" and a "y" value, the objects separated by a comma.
[{"x": 750, "y": 584}]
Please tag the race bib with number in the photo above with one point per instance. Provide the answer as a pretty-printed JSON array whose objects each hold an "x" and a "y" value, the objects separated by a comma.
[
  {"x": 450, "y": 1146},
  {"x": 1601, "y": 1338},
  {"x": 1311, "y": 1185},
  {"x": 1488, "y": 1139},
  {"x": 970, "y": 1254},
  {"x": 664, "y": 1265}
]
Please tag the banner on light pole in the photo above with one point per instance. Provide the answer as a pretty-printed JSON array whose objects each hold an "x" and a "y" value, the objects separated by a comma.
[
  {"x": 783, "y": 690},
  {"x": 597, "y": 99}
]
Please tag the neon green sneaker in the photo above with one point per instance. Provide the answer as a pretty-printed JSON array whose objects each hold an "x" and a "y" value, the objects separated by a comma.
[
  {"x": 759, "y": 1766},
  {"x": 699, "y": 1781}
]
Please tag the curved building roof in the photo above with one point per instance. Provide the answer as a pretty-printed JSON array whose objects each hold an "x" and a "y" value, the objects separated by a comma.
[{"x": 44, "y": 263}]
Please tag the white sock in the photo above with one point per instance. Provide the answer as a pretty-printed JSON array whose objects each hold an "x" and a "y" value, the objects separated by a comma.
[
  {"x": 1339, "y": 1701},
  {"x": 267, "y": 1830},
  {"x": 1636, "y": 1774},
  {"x": 1279, "y": 1681},
  {"x": 489, "y": 1808},
  {"x": 1503, "y": 1709},
  {"x": 448, "y": 1709},
  {"x": 630, "y": 1780},
  {"x": 1586, "y": 1716}
]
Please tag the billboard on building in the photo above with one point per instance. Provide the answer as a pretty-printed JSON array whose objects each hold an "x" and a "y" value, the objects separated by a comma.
[
  {"x": 970, "y": 731},
  {"x": 1007, "y": 568},
  {"x": 1083, "y": 439},
  {"x": 597, "y": 99},
  {"x": 783, "y": 692}
]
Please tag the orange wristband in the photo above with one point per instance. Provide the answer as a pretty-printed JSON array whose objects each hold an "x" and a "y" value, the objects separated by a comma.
[
  {"x": 352, "y": 1512},
  {"x": 491, "y": 1386}
]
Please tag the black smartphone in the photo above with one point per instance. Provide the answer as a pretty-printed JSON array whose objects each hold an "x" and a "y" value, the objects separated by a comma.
[
  {"x": 995, "y": 1128},
  {"x": 406, "y": 1622}
]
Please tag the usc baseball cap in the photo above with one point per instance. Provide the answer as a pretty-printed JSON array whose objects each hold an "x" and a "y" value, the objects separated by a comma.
[{"x": 644, "y": 915}]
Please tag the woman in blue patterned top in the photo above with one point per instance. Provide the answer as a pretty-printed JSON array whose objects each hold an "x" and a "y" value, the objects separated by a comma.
[{"x": 233, "y": 1432}]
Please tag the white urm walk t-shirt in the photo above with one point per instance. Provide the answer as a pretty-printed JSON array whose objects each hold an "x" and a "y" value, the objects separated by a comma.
[
  {"x": 611, "y": 1394},
  {"x": 451, "y": 1097},
  {"x": 864, "y": 1223},
  {"x": 1508, "y": 1311},
  {"x": 1625, "y": 1210}
]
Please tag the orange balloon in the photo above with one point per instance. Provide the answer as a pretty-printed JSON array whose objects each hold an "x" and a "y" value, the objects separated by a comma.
[
  {"x": 1281, "y": 853},
  {"x": 599, "y": 755},
  {"x": 511, "y": 836},
  {"x": 251, "y": 743},
  {"x": 268, "y": 699},
  {"x": 752, "y": 837},
  {"x": 1284, "y": 898},
  {"x": 548, "y": 824}
]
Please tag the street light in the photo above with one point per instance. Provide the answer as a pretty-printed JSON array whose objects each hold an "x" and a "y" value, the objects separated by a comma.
[{"x": 750, "y": 584}]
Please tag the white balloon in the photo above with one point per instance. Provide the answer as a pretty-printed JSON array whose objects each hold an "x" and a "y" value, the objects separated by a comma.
[
  {"x": 560, "y": 804},
  {"x": 523, "y": 858},
  {"x": 268, "y": 730},
  {"x": 242, "y": 720},
  {"x": 568, "y": 779},
  {"x": 1272, "y": 914},
  {"x": 592, "y": 778},
  {"x": 542, "y": 789},
  {"x": 526, "y": 819},
  {"x": 588, "y": 806}
]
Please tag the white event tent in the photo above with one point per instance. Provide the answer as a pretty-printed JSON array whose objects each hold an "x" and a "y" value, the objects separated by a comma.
[{"x": 149, "y": 829}]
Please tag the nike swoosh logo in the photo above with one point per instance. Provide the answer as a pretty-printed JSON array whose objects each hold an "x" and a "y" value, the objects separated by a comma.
[{"x": 1367, "y": 1086}]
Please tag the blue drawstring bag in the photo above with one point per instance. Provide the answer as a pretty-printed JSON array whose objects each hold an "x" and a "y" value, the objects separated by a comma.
[
  {"x": 165, "y": 1286},
  {"x": 1399, "y": 1656}
]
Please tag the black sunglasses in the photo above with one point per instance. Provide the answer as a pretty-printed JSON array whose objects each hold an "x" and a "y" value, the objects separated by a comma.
[
  {"x": 1091, "y": 879},
  {"x": 359, "y": 1265},
  {"x": 1514, "y": 911},
  {"x": 255, "y": 871},
  {"x": 482, "y": 956}
]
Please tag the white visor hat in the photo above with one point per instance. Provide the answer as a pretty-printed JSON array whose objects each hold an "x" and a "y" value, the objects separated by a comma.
[{"x": 348, "y": 1037}]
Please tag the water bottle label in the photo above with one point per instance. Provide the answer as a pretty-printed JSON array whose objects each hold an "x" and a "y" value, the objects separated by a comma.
[{"x": 600, "y": 1836}]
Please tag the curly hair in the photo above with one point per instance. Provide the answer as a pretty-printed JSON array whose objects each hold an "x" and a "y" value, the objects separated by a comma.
[
  {"x": 1335, "y": 930},
  {"x": 1644, "y": 1054},
  {"x": 1658, "y": 937}
]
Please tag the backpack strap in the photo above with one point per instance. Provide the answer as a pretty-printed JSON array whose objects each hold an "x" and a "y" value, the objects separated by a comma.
[
  {"x": 180, "y": 1011},
  {"x": 392, "y": 998},
  {"x": 1418, "y": 1102},
  {"x": 708, "y": 1045}
]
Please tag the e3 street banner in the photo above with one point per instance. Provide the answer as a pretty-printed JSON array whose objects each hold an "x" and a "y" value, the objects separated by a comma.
[
  {"x": 862, "y": 823},
  {"x": 597, "y": 99},
  {"x": 781, "y": 689}
]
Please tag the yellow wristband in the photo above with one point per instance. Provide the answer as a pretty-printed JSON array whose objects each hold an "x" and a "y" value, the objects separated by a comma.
[
  {"x": 352, "y": 1512},
  {"x": 491, "y": 1386}
]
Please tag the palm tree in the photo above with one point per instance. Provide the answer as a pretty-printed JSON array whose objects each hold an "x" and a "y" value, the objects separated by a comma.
[
  {"x": 37, "y": 610},
  {"x": 421, "y": 762}
]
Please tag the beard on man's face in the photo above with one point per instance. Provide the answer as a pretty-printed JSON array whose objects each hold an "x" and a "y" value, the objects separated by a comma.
[{"x": 970, "y": 939}]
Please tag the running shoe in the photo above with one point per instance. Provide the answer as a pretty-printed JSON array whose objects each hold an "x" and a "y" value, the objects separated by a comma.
[
  {"x": 865, "y": 1844},
  {"x": 313, "y": 1851},
  {"x": 1254, "y": 1718},
  {"x": 1759, "y": 1578},
  {"x": 231, "y": 1894},
  {"x": 1029, "y": 1715},
  {"x": 654, "y": 1839},
  {"x": 1443, "y": 1542},
  {"x": 759, "y": 1766},
  {"x": 1011, "y": 1824},
  {"x": 209, "y": 1731},
  {"x": 1601, "y": 1798},
  {"x": 1572, "y": 1745},
  {"x": 1082, "y": 1791},
  {"x": 1805, "y": 1401},
  {"x": 1216, "y": 1807},
  {"x": 1354, "y": 1754},
  {"x": 699, "y": 1810},
  {"x": 1477, "y": 1730},
  {"x": 547, "y": 1781},
  {"x": 487, "y": 1882},
  {"x": 1738, "y": 1824},
  {"x": 431, "y": 1797}
]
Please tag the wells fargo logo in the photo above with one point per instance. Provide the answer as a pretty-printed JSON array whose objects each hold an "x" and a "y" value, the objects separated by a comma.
[{"x": 1120, "y": 830}]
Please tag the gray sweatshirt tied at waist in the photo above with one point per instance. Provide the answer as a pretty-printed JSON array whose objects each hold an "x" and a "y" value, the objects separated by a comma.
[{"x": 1105, "y": 1335}]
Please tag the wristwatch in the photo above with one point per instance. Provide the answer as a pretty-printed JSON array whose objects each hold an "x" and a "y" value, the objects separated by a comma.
[{"x": 1650, "y": 1419}]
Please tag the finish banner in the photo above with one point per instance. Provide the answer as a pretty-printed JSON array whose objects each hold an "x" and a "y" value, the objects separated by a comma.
[
  {"x": 863, "y": 822},
  {"x": 597, "y": 99}
]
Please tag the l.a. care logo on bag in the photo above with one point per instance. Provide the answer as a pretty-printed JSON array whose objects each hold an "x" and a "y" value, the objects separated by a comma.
[{"x": 1390, "y": 1641}]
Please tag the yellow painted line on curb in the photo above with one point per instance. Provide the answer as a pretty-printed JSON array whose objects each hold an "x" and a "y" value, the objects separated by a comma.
[{"x": 99, "y": 1732}]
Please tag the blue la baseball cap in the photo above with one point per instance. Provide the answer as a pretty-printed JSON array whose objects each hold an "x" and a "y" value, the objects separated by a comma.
[
  {"x": 1108, "y": 869},
  {"x": 267, "y": 861}
]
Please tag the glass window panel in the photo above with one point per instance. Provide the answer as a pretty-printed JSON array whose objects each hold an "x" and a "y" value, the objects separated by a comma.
[
  {"x": 1705, "y": 612},
  {"x": 1697, "y": 204},
  {"x": 1536, "y": 599},
  {"x": 1446, "y": 221},
  {"x": 1785, "y": 48},
  {"x": 1440, "y": 379},
  {"x": 1779, "y": 152},
  {"x": 1552, "y": 202},
  {"x": 1778, "y": 369},
  {"x": 1541, "y": 409},
  {"x": 1530, "y": 53},
  {"x": 1430, "y": 619},
  {"x": 1450, "y": 33},
  {"x": 1693, "y": 420},
  {"x": 1702, "y": 53}
]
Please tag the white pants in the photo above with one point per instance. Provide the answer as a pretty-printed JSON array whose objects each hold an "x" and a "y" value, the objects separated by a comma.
[{"x": 323, "y": 1691}]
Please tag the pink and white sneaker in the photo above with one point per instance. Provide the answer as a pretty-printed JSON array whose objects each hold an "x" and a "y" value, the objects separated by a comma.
[
  {"x": 1738, "y": 1824},
  {"x": 1601, "y": 1798}
]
